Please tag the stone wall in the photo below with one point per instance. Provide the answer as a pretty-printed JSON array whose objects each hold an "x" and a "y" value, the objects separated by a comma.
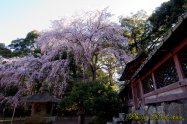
[
  {"x": 164, "y": 109},
  {"x": 175, "y": 108}
]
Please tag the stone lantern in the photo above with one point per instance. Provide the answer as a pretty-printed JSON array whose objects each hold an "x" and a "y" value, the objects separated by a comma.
[{"x": 42, "y": 107}]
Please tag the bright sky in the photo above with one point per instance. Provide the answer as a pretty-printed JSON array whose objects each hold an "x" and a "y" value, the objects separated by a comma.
[{"x": 18, "y": 17}]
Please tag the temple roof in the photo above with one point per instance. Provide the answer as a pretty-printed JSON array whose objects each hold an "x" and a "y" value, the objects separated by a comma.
[
  {"x": 132, "y": 66},
  {"x": 42, "y": 97}
]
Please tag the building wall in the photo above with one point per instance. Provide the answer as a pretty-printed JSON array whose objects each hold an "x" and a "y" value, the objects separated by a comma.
[{"x": 167, "y": 100}]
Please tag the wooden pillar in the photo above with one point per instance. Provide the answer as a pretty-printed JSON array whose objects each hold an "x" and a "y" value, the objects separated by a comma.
[
  {"x": 154, "y": 82},
  {"x": 134, "y": 94},
  {"x": 141, "y": 91},
  {"x": 178, "y": 68}
]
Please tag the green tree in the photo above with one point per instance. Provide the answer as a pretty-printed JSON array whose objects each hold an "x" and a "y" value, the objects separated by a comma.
[
  {"x": 5, "y": 52},
  {"x": 108, "y": 66},
  {"x": 25, "y": 46},
  {"x": 91, "y": 98},
  {"x": 134, "y": 29}
]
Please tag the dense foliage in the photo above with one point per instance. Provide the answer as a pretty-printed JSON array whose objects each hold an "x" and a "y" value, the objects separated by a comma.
[
  {"x": 164, "y": 18},
  {"x": 135, "y": 26},
  {"x": 91, "y": 98},
  {"x": 145, "y": 33},
  {"x": 5, "y": 52},
  {"x": 25, "y": 46}
]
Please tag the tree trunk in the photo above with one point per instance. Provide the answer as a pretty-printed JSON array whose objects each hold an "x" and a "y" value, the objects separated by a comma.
[
  {"x": 94, "y": 75},
  {"x": 94, "y": 66},
  {"x": 93, "y": 72},
  {"x": 13, "y": 114}
]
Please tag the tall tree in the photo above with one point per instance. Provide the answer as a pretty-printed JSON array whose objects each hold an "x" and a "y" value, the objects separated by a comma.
[
  {"x": 134, "y": 29},
  {"x": 87, "y": 36}
]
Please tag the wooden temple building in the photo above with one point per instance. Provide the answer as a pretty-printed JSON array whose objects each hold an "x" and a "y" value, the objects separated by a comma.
[{"x": 158, "y": 83}]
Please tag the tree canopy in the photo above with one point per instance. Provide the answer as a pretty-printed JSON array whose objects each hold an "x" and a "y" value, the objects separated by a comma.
[
  {"x": 24, "y": 46},
  {"x": 86, "y": 37},
  {"x": 135, "y": 27},
  {"x": 162, "y": 19},
  {"x": 145, "y": 33}
]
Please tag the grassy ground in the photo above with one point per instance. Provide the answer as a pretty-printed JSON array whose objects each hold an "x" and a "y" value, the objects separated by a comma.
[{"x": 9, "y": 119}]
